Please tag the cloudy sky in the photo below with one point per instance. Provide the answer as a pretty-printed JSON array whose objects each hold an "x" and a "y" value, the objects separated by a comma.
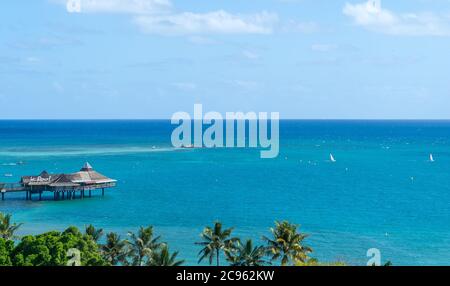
[{"x": 150, "y": 58}]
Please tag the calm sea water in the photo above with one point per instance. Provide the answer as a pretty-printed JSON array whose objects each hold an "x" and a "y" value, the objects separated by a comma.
[{"x": 381, "y": 193}]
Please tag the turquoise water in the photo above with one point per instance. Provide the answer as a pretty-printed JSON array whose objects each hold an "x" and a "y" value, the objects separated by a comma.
[{"x": 381, "y": 193}]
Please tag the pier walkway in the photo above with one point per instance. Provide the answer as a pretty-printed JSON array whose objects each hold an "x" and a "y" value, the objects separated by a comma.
[{"x": 61, "y": 186}]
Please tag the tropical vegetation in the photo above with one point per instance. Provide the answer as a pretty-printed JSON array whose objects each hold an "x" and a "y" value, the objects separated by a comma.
[
  {"x": 285, "y": 246},
  {"x": 216, "y": 241}
]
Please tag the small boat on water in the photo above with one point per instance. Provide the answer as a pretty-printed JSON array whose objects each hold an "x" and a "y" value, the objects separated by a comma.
[
  {"x": 332, "y": 159},
  {"x": 8, "y": 175},
  {"x": 431, "y": 158},
  {"x": 20, "y": 163}
]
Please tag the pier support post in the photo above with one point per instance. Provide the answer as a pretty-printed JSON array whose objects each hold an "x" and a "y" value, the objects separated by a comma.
[
  {"x": 103, "y": 192},
  {"x": 3, "y": 196},
  {"x": 90, "y": 193},
  {"x": 40, "y": 195}
]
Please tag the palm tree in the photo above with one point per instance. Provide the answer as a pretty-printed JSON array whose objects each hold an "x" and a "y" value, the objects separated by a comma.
[
  {"x": 214, "y": 241},
  {"x": 247, "y": 255},
  {"x": 96, "y": 234},
  {"x": 114, "y": 250},
  {"x": 7, "y": 229},
  {"x": 142, "y": 246},
  {"x": 287, "y": 244},
  {"x": 164, "y": 258}
]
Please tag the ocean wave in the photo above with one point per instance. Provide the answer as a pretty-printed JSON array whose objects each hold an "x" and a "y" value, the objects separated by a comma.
[{"x": 83, "y": 151}]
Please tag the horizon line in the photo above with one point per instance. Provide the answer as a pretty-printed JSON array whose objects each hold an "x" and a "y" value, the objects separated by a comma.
[{"x": 169, "y": 119}]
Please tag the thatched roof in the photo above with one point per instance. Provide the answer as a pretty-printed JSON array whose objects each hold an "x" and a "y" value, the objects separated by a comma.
[
  {"x": 63, "y": 181},
  {"x": 87, "y": 167},
  {"x": 86, "y": 176},
  {"x": 41, "y": 180}
]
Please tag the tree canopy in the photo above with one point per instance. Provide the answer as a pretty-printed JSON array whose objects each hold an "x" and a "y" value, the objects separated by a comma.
[{"x": 52, "y": 249}]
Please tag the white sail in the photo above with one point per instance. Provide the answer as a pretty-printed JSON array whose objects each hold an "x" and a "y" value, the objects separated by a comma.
[
  {"x": 332, "y": 158},
  {"x": 431, "y": 158}
]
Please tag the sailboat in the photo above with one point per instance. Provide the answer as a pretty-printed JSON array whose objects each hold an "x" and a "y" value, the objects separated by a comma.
[
  {"x": 431, "y": 158},
  {"x": 332, "y": 158}
]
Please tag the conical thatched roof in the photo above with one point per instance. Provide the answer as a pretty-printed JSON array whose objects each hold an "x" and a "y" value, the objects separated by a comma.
[
  {"x": 88, "y": 175},
  {"x": 87, "y": 167},
  {"x": 44, "y": 174}
]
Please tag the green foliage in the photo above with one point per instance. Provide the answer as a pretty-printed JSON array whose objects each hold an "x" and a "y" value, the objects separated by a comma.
[
  {"x": 247, "y": 255},
  {"x": 142, "y": 246},
  {"x": 287, "y": 244},
  {"x": 7, "y": 230},
  {"x": 144, "y": 249},
  {"x": 216, "y": 240},
  {"x": 162, "y": 257},
  {"x": 315, "y": 262},
  {"x": 94, "y": 233},
  {"x": 51, "y": 249},
  {"x": 114, "y": 251},
  {"x": 6, "y": 247}
]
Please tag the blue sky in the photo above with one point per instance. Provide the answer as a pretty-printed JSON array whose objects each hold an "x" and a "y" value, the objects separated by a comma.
[{"x": 150, "y": 58}]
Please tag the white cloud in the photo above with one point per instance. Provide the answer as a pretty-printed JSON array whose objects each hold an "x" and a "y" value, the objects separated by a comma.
[
  {"x": 372, "y": 16},
  {"x": 219, "y": 22},
  {"x": 116, "y": 6},
  {"x": 159, "y": 17}
]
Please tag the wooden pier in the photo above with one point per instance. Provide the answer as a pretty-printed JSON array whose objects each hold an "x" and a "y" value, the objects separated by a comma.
[{"x": 61, "y": 186}]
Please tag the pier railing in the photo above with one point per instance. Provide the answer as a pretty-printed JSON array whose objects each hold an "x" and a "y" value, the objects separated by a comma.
[
  {"x": 58, "y": 192},
  {"x": 17, "y": 187}
]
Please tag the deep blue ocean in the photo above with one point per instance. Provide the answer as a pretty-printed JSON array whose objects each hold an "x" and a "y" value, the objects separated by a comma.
[{"x": 381, "y": 193}]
